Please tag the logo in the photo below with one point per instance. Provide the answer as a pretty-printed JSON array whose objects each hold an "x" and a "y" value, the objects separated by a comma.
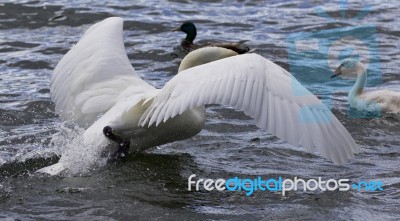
[
  {"x": 313, "y": 57},
  {"x": 249, "y": 186}
]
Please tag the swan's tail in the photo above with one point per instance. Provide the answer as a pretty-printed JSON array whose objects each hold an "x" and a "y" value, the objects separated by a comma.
[{"x": 52, "y": 170}]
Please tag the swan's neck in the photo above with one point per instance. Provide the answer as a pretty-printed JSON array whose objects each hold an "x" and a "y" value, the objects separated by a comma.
[{"x": 358, "y": 87}]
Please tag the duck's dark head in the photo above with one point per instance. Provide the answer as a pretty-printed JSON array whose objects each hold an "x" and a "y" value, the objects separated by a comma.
[{"x": 189, "y": 29}]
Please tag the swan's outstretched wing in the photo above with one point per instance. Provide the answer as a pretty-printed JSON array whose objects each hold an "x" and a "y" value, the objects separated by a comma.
[
  {"x": 91, "y": 76},
  {"x": 264, "y": 91}
]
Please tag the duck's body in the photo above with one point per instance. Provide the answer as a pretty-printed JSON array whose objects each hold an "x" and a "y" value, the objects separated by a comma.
[
  {"x": 96, "y": 86},
  {"x": 383, "y": 101},
  {"x": 188, "y": 45}
]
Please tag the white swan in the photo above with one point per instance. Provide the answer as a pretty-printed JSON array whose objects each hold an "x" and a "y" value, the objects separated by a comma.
[
  {"x": 382, "y": 101},
  {"x": 95, "y": 78}
]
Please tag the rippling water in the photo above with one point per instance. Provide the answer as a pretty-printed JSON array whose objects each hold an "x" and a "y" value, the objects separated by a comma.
[{"x": 34, "y": 35}]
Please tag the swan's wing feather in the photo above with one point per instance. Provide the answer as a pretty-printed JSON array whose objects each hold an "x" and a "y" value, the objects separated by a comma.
[
  {"x": 91, "y": 76},
  {"x": 265, "y": 92}
]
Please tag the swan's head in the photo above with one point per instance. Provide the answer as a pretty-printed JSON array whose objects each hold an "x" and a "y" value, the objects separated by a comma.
[
  {"x": 203, "y": 56},
  {"x": 189, "y": 29},
  {"x": 349, "y": 67}
]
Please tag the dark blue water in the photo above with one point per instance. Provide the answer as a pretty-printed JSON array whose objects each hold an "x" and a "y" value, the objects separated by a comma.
[{"x": 306, "y": 38}]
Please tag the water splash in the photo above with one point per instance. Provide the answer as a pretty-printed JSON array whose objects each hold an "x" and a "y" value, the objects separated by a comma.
[
  {"x": 78, "y": 155},
  {"x": 81, "y": 153}
]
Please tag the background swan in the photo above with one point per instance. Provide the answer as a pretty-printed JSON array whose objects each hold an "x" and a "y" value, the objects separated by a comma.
[
  {"x": 379, "y": 100},
  {"x": 95, "y": 78}
]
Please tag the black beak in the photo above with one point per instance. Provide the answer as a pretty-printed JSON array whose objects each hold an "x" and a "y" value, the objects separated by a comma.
[{"x": 338, "y": 72}]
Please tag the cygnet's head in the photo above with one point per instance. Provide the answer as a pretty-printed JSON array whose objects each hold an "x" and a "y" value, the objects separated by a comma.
[
  {"x": 203, "y": 56},
  {"x": 349, "y": 67}
]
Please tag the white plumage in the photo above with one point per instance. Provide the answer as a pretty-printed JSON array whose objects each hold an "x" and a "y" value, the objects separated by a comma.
[
  {"x": 91, "y": 76},
  {"x": 382, "y": 101},
  {"x": 95, "y": 78}
]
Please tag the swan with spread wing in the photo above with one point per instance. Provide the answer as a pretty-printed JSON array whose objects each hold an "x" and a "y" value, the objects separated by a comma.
[{"x": 95, "y": 85}]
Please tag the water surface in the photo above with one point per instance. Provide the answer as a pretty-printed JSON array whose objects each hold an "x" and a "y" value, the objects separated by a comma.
[{"x": 34, "y": 35}]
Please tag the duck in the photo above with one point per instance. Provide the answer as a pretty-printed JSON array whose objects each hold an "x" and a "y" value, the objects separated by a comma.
[
  {"x": 378, "y": 101},
  {"x": 187, "y": 44},
  {"x": 95, "y": 86}
]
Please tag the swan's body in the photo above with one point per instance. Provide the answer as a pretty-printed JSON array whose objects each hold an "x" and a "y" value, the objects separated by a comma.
[
  {"x": 95, "y": 78},
  {"x": 187, "y": 43},
  {"x": 383, "y": 101}
]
